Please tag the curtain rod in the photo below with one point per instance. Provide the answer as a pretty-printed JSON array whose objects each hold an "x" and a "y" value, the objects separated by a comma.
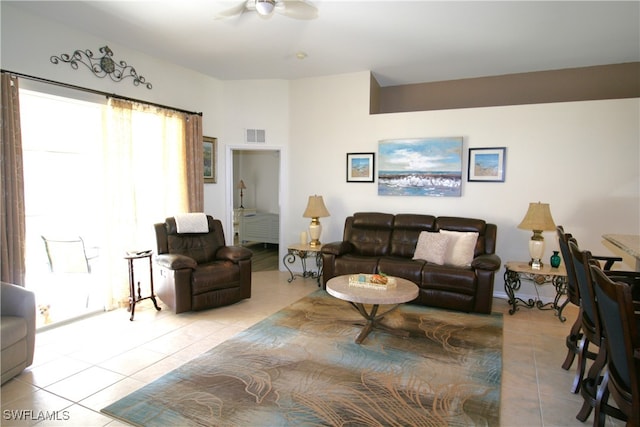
[{"x": 94, "y": 91}]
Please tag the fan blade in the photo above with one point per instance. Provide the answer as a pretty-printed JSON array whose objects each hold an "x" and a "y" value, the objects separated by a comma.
[
  {"x": 297, "y": 9},
  {"x": 232, "y": 11}
]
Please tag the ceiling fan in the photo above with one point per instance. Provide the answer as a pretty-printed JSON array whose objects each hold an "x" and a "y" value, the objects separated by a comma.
[{"x": 297, "y": 9}]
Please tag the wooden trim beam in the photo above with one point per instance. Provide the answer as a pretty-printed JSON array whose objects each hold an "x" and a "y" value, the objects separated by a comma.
[{"x": 614, "y": 81}]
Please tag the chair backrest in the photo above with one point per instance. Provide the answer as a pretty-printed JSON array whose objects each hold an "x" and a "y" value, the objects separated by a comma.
[
  {"x": 616, "y": 307},
  {"x": 66, "y": 255},
  {"x": 572, "y": 285},
  {"x": 582, "y": 261},
  {"x": 202, "y": 247}
]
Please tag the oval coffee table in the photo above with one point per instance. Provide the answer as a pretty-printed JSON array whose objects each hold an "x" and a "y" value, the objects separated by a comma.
[{"x": 403, "y": 292}]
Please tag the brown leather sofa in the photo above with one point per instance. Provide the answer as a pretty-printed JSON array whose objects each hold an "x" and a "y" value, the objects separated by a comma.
[
  {"x": 379, "y": 242},
  {"x": 197, "y": 271}
]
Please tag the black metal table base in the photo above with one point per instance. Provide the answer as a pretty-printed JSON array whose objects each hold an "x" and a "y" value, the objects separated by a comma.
[
  {"x": 512, "y": 283},
  {"x": 290, "y": 258}
]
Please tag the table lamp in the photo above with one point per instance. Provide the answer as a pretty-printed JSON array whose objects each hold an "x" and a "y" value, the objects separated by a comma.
[
  {"x": 538, "y": 219},
  {"x": 241, "y": 186},
  {"x": 315, "y": 209}
]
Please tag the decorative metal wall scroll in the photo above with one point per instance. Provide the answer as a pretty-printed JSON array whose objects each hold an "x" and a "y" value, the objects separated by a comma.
[{"x": 102, "y": 67}]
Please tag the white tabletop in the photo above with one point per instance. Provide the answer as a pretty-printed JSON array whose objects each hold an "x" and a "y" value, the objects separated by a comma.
[
  {"x": 403, "y": 292},
  {"x": 630, "y": 243}
]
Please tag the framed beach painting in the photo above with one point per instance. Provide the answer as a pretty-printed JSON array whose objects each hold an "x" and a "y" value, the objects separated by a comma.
[
  {"x": 486, "y": 164},
  {"x": 420, "y": 167},
  {"x": 209, "y": 147},
  {"x": 360, "y": 167}
]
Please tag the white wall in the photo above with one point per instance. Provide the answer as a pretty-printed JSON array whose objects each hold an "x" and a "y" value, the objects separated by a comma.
[{"x": 582, "y": 157}]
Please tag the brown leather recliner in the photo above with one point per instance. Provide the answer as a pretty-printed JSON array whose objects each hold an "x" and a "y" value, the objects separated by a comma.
[{"x": 197, "y": 271}]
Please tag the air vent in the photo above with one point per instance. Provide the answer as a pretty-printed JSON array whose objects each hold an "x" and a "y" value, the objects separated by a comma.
[{"x": 255, "y": 136}]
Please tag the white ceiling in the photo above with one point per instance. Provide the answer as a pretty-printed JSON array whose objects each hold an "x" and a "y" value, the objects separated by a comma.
[{"x": 399, "y": 41}]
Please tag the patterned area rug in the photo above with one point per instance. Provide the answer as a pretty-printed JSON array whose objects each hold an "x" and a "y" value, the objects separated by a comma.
[{"x": 301, "y": 366}]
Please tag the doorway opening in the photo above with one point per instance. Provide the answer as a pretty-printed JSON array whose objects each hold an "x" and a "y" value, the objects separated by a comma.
[{"x": 254, "y": 175}]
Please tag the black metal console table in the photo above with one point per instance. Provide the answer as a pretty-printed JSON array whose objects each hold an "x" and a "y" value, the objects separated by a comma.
[{"x": 516, "y": 271}]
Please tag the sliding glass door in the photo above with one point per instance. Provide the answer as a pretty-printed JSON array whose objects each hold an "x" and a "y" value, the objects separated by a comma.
[{"x": 62, "y": 141}]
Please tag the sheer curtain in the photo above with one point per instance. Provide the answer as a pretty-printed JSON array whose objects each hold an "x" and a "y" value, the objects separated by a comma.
[
  {"x": 12, "y": 215},
  {"x": 151, "y": 159}
]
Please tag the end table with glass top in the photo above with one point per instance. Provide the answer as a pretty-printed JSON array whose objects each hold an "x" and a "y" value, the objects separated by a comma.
[
  {"x": 516, "y": 271},
  {"x": 303, "y": 251}
]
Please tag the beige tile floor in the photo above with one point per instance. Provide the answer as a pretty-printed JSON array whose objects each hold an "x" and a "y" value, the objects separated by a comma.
[{"x": 84, "y": 366}]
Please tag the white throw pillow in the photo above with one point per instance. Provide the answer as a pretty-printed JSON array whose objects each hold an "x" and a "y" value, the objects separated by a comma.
[
  {"x": 461, "y": 247},
  {"x": 431, "y": 247}
]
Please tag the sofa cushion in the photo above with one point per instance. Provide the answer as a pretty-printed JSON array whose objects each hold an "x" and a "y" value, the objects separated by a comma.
[
  {"x": 461, "y": 247},
  {"x": 451, "y": 279},
  {"x": 432, "y": 247},
  {"x": 470, "y": 225},
  {"x": 401, "y": 267},
  {"x": 370, "y": 233},
  {"x": 352, "y": 264},
  {"x": 445, "y": 299},
  {"x": 213, "y": 276},
  {"x": 406, "y": 230}
]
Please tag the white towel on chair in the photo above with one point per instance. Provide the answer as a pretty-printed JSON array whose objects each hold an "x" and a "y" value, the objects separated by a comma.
[{"x": 192, "y": 223}]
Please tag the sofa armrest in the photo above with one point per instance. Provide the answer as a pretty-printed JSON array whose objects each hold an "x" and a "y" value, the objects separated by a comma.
[
  {"x": 234, "y": 254},
  {"x": 176, "y": 262},
  {"x": 337, "y": 248},
  {"x": 20, "y": 302},
  {"x": 489, "y": 262}
]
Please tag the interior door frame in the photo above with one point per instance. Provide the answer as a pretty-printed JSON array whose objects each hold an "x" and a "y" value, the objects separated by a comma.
[{"x": 282, "y": 196}]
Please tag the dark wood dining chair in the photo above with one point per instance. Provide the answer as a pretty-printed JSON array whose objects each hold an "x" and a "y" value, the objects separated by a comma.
[
  {"x": 591, "y": 323},
  {"x": 591, "y": 330},
  {"x": 621, "y": 321},
  {"x": 573, "y": 293}
]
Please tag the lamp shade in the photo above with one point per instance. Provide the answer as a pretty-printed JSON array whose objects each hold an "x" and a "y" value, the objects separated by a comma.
[
  {"x": 315, "y": 208},
  {"x": 538, "y": 218},
  {"x": 241, "y": 185},
  {"x": 265, "y": 7}
]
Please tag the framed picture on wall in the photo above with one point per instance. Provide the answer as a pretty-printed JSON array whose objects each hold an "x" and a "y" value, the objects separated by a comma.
[
  {"x": 360, "y": 167},
  {"x": 486, "y": 164},
  {"x": 430, "y": 167},
  {"x": 210, "y": 154}
]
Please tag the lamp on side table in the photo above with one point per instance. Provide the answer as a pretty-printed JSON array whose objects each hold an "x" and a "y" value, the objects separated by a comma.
[{"x": 537, "y": 219}]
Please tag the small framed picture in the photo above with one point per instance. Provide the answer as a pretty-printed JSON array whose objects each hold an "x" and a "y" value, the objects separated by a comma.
[
  {"x": 210, "y": 154},
  {"x": 360, "y": 167},
  {"x": 487, "y": 164}
]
